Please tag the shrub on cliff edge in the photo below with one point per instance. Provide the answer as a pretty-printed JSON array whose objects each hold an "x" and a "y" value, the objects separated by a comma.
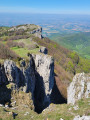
[{"x": 6, "y": 53}]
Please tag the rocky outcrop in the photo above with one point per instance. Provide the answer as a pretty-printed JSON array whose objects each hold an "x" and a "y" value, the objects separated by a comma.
[
  {"x": 79, "y": 88},
  {"x": 29, "y": 74},
  {"x": 82, "y": 118},
  {"x": 29, "y": 29},
  {"x": 43, "y": 50},
  {"x": 3, "y": 78},
  {"x": 25, "y": 27},
  {"x": 21, "y": 76},
  {"x": 11, "y": 71},
  {"x": 44, "y": 66},
  {"x": 37, "y": 32},
  {"x": 35, "y": 76}
]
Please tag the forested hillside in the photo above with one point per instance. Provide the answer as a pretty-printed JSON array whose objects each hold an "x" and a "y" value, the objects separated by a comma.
[{"x": 79, "y": 42}]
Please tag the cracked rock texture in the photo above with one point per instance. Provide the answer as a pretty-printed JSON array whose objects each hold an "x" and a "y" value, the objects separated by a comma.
[
  {"x": 45, "y": 69},
  {"x": 79, "y": 88},
  {"x": 23, "y": 76},
  {"x": 35, "y": 75}
]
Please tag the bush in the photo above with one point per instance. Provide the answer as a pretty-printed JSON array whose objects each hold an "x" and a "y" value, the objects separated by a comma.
[
  {"x": 16, "y": 37},
  {"x": 5, "y": 38},
  {"x": 33, "y": 46},
  {"x": 10, "y": 43},
  {"x": 21, "y": 44},
  {"x": 6, "y": 53},
  {"x": 74, "y": 57}
]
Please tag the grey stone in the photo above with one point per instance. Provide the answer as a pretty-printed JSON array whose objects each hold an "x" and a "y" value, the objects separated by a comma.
[
  {"x": 13, "y": 103},
  {"x": 82, "y": 118},
  {"x": 29, "y": 73},
  {"x": 27, "y": 113},
  {"x": 29, "y": 27},
  {"x": 45, "y": 71},
  {"x": 11, "y": 71},
  {"x": 37, "y": 32},
  {"x": 43, "y": 50},
  {"x": 35, "y": 76},
  {"x": 76, "y": 107},
  {"x": 79, "y": 88},
  {"x": 13, "y": 108},
  {"x": 6, "y": 106},
  {"x": 23, "y": 76},
  {"x": 61, "y": 119},
  {"x": 1, "y": 105}
]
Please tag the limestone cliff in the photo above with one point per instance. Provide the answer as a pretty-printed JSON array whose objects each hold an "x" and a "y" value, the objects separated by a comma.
[
  {"x": 37, "y": 32},
  {"x": 44, "y": 66},
  {"x": 28, "y": 29},
  {"x": 79, "y": 88},
  {"x": 23, "y": 76},
  {"x": 35, "y": 76},
  {"x": 3, "y": 79}
]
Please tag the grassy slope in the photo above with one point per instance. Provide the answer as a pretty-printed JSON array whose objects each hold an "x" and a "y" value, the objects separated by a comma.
[
  {"x": 54, "y": 112},
  {"x": 22, "y": 52},
  {"x": 79, "y": 42}
]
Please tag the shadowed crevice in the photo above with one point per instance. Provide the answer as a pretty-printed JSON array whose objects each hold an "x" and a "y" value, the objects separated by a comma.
[{"x": 56, "y": 96}]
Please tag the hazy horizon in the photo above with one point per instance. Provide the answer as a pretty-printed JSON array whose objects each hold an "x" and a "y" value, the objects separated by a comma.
[
  {"x": 11, "y": 19},
  {"x": 47, "y": 6}
]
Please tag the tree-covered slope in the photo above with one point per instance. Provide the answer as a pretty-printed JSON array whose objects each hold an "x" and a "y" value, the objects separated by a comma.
[{"x": 79, "y": 42}]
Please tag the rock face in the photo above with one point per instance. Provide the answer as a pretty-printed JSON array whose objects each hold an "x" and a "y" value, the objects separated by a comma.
[
  {"x": 44, "y": 66},
  {"x": 43, "y": 50},
  {"x": 3, "y": 79},
  {"x": 29, "y": 28},
  {"x": 11, "y": 71},
  {"x": 23, "y": 76},
  {"x": 37, "y": 32},
  {"x": 82, "y": 118},
  {"x": 35, "y": 76},
  {"x": 29, "y": 75},
  {"x": 79, "y": 88}
]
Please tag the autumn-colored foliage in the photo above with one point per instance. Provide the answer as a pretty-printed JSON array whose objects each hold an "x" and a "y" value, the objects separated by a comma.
[{"x": 5, "y": 52}]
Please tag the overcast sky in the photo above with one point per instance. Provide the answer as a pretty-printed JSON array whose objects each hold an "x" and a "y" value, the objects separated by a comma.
[{"x": 45, "y": 6}]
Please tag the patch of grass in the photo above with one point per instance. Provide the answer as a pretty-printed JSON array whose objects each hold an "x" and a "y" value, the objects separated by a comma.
[
  {"x": 53, "y": 112},
  {"x": 22, "y": 52},
  {"x": 25, "y": 41}
]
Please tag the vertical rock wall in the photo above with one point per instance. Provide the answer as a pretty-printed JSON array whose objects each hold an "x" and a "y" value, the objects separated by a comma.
[
  {"x": 3, "y": 78},
  {"x": 44, "y": 66},
  {"x": 79, "y": 88},
  {"x": 23, "y": 76},
  {"x": 35, "y": 76}
]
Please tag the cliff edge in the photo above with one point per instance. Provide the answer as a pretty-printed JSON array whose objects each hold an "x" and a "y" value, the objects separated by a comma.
[
  {"x": 35, "y": 76},
  {"x": 79, "y": 88}
]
